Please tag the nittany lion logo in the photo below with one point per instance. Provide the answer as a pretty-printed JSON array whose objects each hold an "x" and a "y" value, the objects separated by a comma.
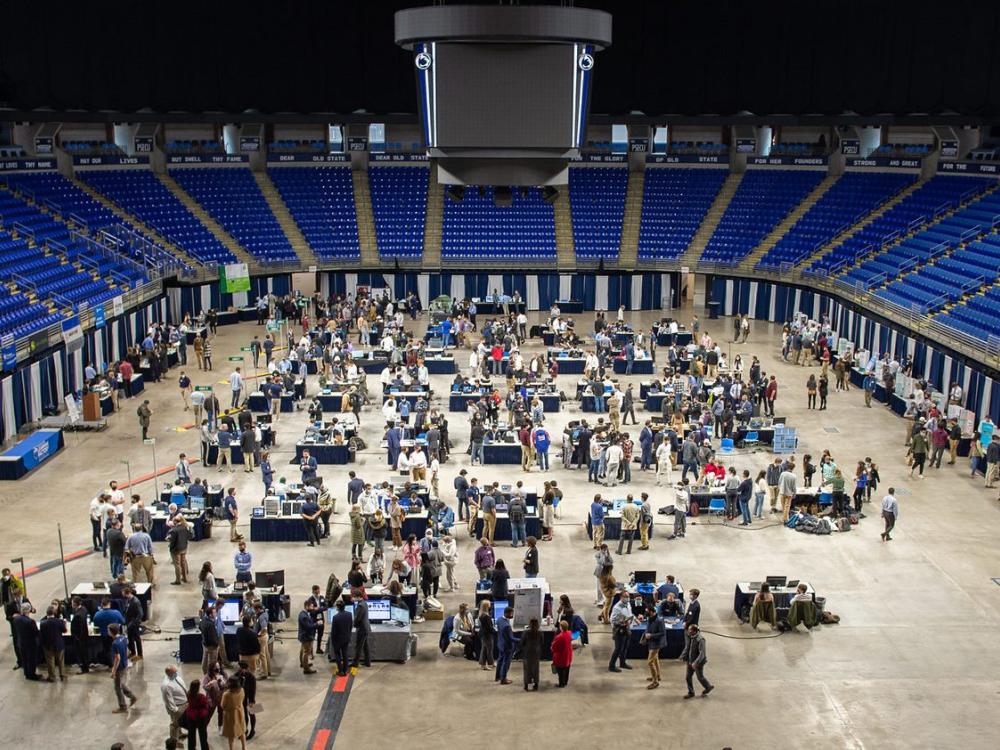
[
  {"x": 586, "y": 62},
  {"x": 423, "y": 61}
]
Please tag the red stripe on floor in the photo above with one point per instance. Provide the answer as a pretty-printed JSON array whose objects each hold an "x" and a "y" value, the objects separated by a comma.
[
  {"x": 322, "y": 739},
  {"x": 340, "y": 684},
  {"x": 30, "y": 571},
  {"x": 78, "y": 553},
  {"x": 146, "y": 477}
]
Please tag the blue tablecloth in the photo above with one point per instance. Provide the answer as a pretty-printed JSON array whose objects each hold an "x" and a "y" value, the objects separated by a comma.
[
  {"x": 107, "y": 406},
  {"x": 258, "y": 403},
  {"x": 331, "y": 401},
  {"x": 30, "y": 453},
  {"x": 277, "y": 529},
  {"x": 587, "y": 404},
  {"x": 235, "y": 451},
  {"x": 532, "y": 524},
  {"x": 441, "y": 365},
  {"x": 228, "y": 317},
  {"x": 683, "y": 338},
  {"x": 138, "y": 384},
  {"x": 324, "y": 453},
  {"x": 613, "y": 528},
  {"x": 654, "y": 402},
  {"x": 372, "y": 367},
  {"x": 637, "y": 648},
  {"x": 247, "y": 313},
  {"x": 190, "y": 648},
  {"x": 571, "y": 365},
  {"x": 502, "y": 453},
  {"x": 196, "y": 524},
  {"x": 460, "y": 401},
  {"x": 639, "y": 366},
  {"x": 410, "y": 396}
]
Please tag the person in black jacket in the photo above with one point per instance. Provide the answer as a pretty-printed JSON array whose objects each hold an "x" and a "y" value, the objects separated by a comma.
[
  {"x": 363, "y": 630},
  {"x": 80, "y": 631},
  {"x": 133, "y": 624},
  {"x": 51, "y": 630},
  {"x": 693, "y": 613},
  {"x": 247, "y": 642},
  {"x": 500, "y": 578},
  {"x": 248, "y": 681},
  {"x": 26, "y": 637},
  {"x": 209, "y": 639},
  {"x": 340, "y": 637}
]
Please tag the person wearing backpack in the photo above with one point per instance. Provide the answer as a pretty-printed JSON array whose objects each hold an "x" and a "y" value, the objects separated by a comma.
[
  {"x": 542, "y": 442},
  {"x": 516, "y": 511}
]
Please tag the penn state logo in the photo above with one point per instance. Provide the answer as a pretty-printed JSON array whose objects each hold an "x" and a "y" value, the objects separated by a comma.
[
  {"x": 422, "y": 61},
  {"x": 586, "y": 62}
]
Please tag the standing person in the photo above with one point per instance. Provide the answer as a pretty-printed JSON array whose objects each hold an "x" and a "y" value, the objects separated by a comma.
[
  {"x": 310, "y": 517},
  {"x": 206, "y": 353},
  {"x": 655, "y": 638},
  {"x": 234, "y": 725},
  {"x": 760, "y": 492},
  {"x": 562, "y": 653},
  {"x": 177, "y": 543},
  {"x": 307, "y": 636},
  {"x": 487, "y": 634},
  {"x": 745, "y": 491},
  {"x": 992, "y": 457},
  {"x": 340, "y": 637},
  {"x": 248, "y": 681},
  {"x": 531, "y": 653},
  {"x": 695, "y": 656},
  {"x": 210, "y": 639},
  {"x": 232, "y": 513},
  {"x": 629, "y": 523},
  {"x": 542, "y": 442},
  {"x": 80, "y": 631},
  {"x": 139, "y": 546},
  {"x": 693, "y": 613},
  {"x": 247, "y": 643},
  {"x": 621, "y": 625},
  {"x": 144, "y": 413},
  {"x": 531, "y": 558},
  {"x": 184, "y": 383},
  {"x": 645, "y": 520},
  {"x": 787, "y": 489},
  {"x": 597, "y": 521},
  {"x": 357, "y": 533},
  {"x": 506, "y": 644},
  {"x": 449, "y": 549},
  {"x": 196, "y": 715},
  {"x": 119, "y": 665},
  {"x": 682, "y": 501},
  {"x": 664, "y": 467},
  {"x": 461, "y": 485},
  {"x": 51, "y": 630},
  {"x": 918, "y": 451},
  {"x": 24, "y": 631},
  {"x": 811, "y": 392},
  {"x": 770, "y": 396},
  {"x": 603, "y": 560},
  {"x": 646, "y": 447},
  {"x": 362, "y": 629},
  {"x": 175, "y": 699},
  {"x": 133, "y": 623},
  {"x": 890, "y": 513}
]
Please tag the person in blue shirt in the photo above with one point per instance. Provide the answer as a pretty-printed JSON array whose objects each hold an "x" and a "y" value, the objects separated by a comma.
[
  {"x": 542, "y": 442},
  {"x": 646, "y": 446},
  {"x": 119, "y": 668},
  {"x": 404, "y": 410},
  {"x": 243, "y": 562},
  {"x": 667, "y": 587},
  {"x": 103, "y": 619},
  {"x": 869, "y": 387},
  {"x": 506, "y": 644},
  {"x": 446, "y": 327},
  {"x": 597, "y": 521},
  {"x": 392, "y": 441},
  {"x": 225, "y": 438},
  {"x": 232, "y": 511},
  {"x": 629, "y": 357},
  {"x": 308, "y": 466},
  {"x": 266, "y": 471}
]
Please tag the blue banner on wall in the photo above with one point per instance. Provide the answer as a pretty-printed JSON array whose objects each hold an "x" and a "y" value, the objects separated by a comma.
[
  {"x": 9, "y": 165},
  {"x": 104, "y": 161},
  {"x": 787, "y": 161},
  {"x": 9, "y": 352},
  {"x": 973, "y": 167},
  {"x": 884, "y": 161},
  {"x": 317, "y": 158},
  {"x": 687, "y": 159},
  {"x": 99, "y": 316},
  {"x": 207, "y": 159}
]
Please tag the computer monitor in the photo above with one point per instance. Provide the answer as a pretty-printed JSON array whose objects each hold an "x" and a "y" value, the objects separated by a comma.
[
  {"x": 269, "y": 579},
  {"x": 792, "y": 584},
  {"x": 331, "y": 611},
  {"x": 776, "y": 582},
  {"x": 400, "y": 614},
  {"x": 229, "y": 612},
  {"x": 645, "y": 576},
  {"x": 498, "y": 608},
  {"x": 196, "y": 502},
  {"x": 379, "y": 610}
]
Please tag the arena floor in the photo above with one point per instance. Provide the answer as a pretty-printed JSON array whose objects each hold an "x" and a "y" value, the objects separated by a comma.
[{"x": 914, "y": 662}]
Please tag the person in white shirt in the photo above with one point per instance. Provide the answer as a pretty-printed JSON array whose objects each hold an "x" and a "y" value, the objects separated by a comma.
[
  {"x": 352, "y": 372},
  {"x": 387, "y": 343},
  {"x": 522, "y": 326},
  {"x": 174, "y": 698},
  {"x": 664, "y": 467},
  {"x": 418, "y": 465},
  {"x": 554, "y": 312},
  {"x": 385, "y": 377},
  {"x": 99, "y": 508},
  {"x": 956, "y": 394},
  {"x": 614, "y": 457},
  {"x": 423, "y": 377},
  {"x": 435, "y": 468},
  {"x": 118, "y": 500},
  {"x": 236, "y": 385},
  {"x": 389, "y": 410},
  {"x": 473, "y": 363}
]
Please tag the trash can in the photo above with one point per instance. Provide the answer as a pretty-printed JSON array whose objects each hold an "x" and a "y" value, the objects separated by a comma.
[
  {"x": 206, "y": 527},
  {"x": 713, "y": 310}
]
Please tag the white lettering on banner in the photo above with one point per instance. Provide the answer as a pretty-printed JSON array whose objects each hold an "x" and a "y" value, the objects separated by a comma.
[{"x": 41, "y": 451}]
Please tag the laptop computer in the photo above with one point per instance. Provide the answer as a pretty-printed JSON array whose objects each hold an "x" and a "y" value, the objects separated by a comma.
[
  {"x": 792, "y": 584},
  {"x": 776, "y": 582},
  {"x": 645, "y": 576},
  {"x": 754, "y": 586}
]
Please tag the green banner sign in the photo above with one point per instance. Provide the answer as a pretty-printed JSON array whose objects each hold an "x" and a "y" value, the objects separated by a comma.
[
  {"x": 234, "y": 277},
  {"x": 203, "y": 388},
  {"x": 236, "y": 359}
]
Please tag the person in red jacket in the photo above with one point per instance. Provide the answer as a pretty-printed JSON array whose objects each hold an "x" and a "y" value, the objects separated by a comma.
[
  {"x": 125, "y": 370},
  {"x": 197, "y": 714},
  {"x": 770, "y": 394},
  {"x": 562, "y": 653}
]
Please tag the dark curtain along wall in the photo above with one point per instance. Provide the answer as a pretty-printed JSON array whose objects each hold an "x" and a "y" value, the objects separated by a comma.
[
  {"x": 191, "y": 300},
  {"x": 942, "y": 368},
  {"x": 684, "y": 57},
  {"x": 99, "y": 345}
]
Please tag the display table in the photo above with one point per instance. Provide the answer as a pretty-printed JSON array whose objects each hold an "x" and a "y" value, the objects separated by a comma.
[
  {"x": 613, "y": 526},
  {"x": 228, "y": 317},
  {"x": 247, "y": 313},
  {"x": 193, "y": 333},
  {"x": 637, "y": 648},
  {"x": 743, "y": 599},
  {"x": 143, "y": 592},
  {"x": 587, "y": 404},
  {"x": 765, "y": 435},
  {"x": 190, "y": 651},
  {"x": 460, "y": 401},
  {"x": 411, "y": 396},
  {"x": 324, "y": 453},
  {"x": 571, "y": 365},
  {"x": 640, "y": 366},
  {"x": 95, "y": 648},
  {"x": 30, "y": 453},
  {"x": 278, "y": 529},
  {"x": 532, "y": 525},
  {"x": 258, "y": 403},
  {"x": 234, "y": 450},
  {"x": 331, "y": 401},
  {"x": 389, "y": 643},
  {"x": 440, "y": 365},
  {"x": 502, "y": 453},
  {"x": 683, "y": 338},
  {"x": 195, "y": 522},
  {"x": 569, "y": 306}
]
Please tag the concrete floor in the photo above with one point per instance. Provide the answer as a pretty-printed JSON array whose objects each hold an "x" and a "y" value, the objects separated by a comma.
[{"x": 914, "y": 662}]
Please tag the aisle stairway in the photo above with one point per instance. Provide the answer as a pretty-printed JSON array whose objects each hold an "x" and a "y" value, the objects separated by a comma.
[
  {"x": 785, "y": 224},
  {"x": 563, "y": 217},
  {"x": 210, "y": 224},
  {"x": 711, "y": 220},
  {"x": 285, "y": 220},
  {"x": 888, "y": 205},
  {"x": 629, "y": 250},
  {"x": 366, "y": 219},
  {"x": 432, "y": 222},
  {"x": 141, "y": 226}
]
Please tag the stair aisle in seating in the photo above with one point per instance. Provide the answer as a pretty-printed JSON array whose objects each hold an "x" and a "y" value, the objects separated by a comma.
[
  {"x": 711, "y": 220},
  {"x": 366, "y": 218},
  {"x": 281, "y": 213},
  {"x": 432, "y": 222},
  {"x": 629, "y": 248}
]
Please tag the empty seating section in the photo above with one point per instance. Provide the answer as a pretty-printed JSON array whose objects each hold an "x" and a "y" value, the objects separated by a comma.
[
  {"x": 938, "y": 194},
  {"x": 674, "y": 203},
  {"x": 232, "y": 197},
  {"x": 697, "y": 147},
  {"x": 19, "y": 316},
  {"x": 91, "y": 148},
  {"x": 948, "y": 278},
  {"x": 902, "y": 149},
  {"x": 321, "y": 200},
  {"x": 978, "y": 316},
  {"x": 926, "y": 244},
  {"x": 140, "y": 193},
  {"x": 597, "y": 203},
  {"x": 853, "y": 196},
  {"x": 477, "y": 229},
  {"x": 289, "y": 146},
  {"x": 399, "y": 206},
  {"x": 798, "y": 148},
  {"x": 762, "y": 200},
  {"x": 56, "y": 191}
]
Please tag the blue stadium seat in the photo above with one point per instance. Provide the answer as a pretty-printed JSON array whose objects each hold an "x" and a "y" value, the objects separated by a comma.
[
  {"x": 674, "y": 203},
  {"x": 477, "y": 229},
  {"x": 597, "y": 202},
  {"x": 321, "y": 200},
  {"x": 399, "y": 206}
]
